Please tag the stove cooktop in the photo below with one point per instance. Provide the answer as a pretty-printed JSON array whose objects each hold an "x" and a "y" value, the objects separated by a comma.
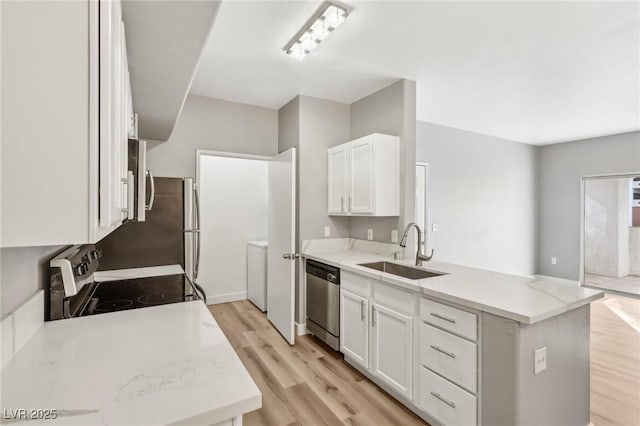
[{"x": 113, "y": 296}]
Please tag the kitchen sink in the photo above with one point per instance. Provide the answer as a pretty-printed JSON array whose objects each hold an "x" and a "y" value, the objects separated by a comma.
[{"x": 402, "y": 270}]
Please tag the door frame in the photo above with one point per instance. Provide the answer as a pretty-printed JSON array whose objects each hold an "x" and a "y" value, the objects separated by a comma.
[
  {"x": 583, "y": 180},
  {"x": 212, "y": 153},
  {"x": 427, "y": 215}
]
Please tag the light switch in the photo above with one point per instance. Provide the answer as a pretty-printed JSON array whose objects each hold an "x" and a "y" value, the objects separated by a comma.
[
  {"x": 434, "y": 227},
  {"x": 327, "y": 231},
  {"x": 540, "y": 360},
  {"x": 554, "y": 260},
  {"x": 369, "y": 234},
  {"x": 394, "y": 235}
]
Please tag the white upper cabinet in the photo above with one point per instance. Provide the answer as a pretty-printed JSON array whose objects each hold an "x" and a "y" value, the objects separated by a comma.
[
  {"x": 64, "y": 122},
  {"x": 338, "y": 179},
  {"x": 364, "y": 177}
]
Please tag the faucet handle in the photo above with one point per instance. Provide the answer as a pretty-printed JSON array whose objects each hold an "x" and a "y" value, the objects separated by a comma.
[{"x": 430, "y": 255}]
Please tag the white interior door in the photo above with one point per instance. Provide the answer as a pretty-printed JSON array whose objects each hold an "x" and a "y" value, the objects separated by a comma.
[{"x": 281, "y": 258}]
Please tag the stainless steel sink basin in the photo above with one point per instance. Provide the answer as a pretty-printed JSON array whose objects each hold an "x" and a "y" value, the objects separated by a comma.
[{"x": 401, "y": 270}]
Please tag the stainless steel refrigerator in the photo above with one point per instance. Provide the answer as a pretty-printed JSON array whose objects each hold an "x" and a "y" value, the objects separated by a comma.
[{"x": 169, "y": 235}]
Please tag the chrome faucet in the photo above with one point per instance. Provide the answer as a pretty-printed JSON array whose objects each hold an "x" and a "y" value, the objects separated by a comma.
[{"x": 420, "y": 257}]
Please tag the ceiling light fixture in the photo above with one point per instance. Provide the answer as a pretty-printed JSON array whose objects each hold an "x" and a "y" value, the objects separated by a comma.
[{"x": 323, "y": 22}]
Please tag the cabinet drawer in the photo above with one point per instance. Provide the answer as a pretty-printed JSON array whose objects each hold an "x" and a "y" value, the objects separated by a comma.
[
  {"x": 449, "y": 356},
  {"x": 445, "y": 401},
  {"x": 449, "y": 318},
  {"x": 393, "y": 297},
  {"x": 356, "y": 284}
]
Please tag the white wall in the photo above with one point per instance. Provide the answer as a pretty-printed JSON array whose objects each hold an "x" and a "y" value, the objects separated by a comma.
[
  {"x": 606, "y": 227},
  {"x": 217, "y": 125},
  {"x": 634, "y": 251},
  {"x": 482, "y": 194},
  {"x": 233, "y": 196}
]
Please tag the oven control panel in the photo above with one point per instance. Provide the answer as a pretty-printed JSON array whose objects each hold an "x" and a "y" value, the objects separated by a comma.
[{"x": 75, "y": 267}]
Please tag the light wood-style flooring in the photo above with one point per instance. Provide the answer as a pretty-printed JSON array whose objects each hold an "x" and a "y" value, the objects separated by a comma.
[
  {"x": 309, "y": 384},
  {"x": 304, "y": 384},
  {"x": 615, "y": 361}
]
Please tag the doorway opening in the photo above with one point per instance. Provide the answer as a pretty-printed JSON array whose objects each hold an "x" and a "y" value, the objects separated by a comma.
[
  {"x": 611, "y": 233},
  {"x": 233, "y": 210}
]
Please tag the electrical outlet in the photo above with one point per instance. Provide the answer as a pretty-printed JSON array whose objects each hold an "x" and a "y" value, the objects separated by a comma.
[
  {"x": 327, "y": 231},
  {"x": 394, "y": 235},
  {"x": 434, "y": 227},
  {"x": 554, "y": 260},
  {"x": 369, "y": 234},
  {"x": 539, "y": 360}
]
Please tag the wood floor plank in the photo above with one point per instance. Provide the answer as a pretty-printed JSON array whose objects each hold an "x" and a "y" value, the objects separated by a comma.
[
  {"x": 615, "y": 361},
  {"x": 304, "y": 384}
]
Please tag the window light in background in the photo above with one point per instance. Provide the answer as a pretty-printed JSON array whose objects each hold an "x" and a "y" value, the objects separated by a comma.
[{"x": 328, "y": 18}]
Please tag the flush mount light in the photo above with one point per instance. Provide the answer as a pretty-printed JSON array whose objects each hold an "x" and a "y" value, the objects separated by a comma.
[{"x": 323, "y": 22}]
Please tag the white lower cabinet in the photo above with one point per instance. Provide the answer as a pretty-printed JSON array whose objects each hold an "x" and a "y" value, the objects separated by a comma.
[
  {"x": 431, "y": 367},
  {"x": 392, "y": 346},
  {"x": 448, "y": 403},
  {"x": 354, "y": 327},
  {"x": 449, "y": 355}
]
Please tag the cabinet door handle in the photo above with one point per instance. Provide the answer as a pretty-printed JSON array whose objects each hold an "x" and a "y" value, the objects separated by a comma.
[
  {"x": 152, "y": 183},
  {"x": 373, "y": 316},
  {"x": 449, "y": 403},
  {"x": 451, "y": 320},
  {"x": 342, "y": 204},
  {"x": 362, "y": 310},
  {"x": 439, "y": 349}
]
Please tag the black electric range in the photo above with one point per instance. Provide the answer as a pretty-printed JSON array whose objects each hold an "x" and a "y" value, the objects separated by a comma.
[
  {"x": 112, "y": 296},
  {"x": 74, "y": 290}
]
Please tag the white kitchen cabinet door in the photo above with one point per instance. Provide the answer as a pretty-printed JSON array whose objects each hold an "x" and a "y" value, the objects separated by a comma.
[
  {"x": 354, "y": 327},
  {"x": 361, "y": 181},
  {"x": 392, "y": 348},
  {"x": 364, "y": 178},
  {"x": 112, "y": 136},
  {"x": 337, "y": 201}
]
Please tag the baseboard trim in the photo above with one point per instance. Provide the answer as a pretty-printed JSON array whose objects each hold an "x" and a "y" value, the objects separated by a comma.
[
  {"x": 224, "y": 298},
  {"x": 301, "y": 329}
]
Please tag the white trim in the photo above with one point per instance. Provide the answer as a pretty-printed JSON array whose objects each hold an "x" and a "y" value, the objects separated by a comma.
[
  {"x": 209, "y": 152},
  {"x": 301, "y": 329},
  {"x": 224, "y": 298}
]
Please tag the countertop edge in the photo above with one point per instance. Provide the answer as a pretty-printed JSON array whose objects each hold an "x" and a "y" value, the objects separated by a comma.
[
  {"x": 479, "y": 306},
  {"x": 221, "y": 414}
]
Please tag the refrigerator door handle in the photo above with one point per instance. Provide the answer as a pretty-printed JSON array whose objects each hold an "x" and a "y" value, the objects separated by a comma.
[
  {"x": 196, "y": 267},
  {"x": 153, "y": 190}
]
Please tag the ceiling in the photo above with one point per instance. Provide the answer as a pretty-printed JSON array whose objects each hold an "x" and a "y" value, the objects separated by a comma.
[
  {"x": 165, "y": 40},
  {"x": 532, "y": 72}
]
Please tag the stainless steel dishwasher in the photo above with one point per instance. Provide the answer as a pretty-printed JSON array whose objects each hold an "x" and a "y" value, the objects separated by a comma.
[{"x": 323, "y": 302}]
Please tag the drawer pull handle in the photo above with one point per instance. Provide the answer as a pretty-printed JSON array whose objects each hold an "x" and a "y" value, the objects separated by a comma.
[
  {"x": 451, "y": 320},
  {"x": 449, "y": 403},
  {"x": 447, "y": 353}
]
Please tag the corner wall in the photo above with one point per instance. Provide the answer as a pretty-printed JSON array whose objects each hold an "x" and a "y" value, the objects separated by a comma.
[
  {"x": 561, "y": 167},
  {"x": 392, "y": 111},
  {"x": 217, "y": 125}
]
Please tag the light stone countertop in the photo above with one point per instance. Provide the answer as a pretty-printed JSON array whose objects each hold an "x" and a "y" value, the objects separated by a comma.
[
  {"x": 158, "y": 365},
  {"x": 524, "y": 299}
]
